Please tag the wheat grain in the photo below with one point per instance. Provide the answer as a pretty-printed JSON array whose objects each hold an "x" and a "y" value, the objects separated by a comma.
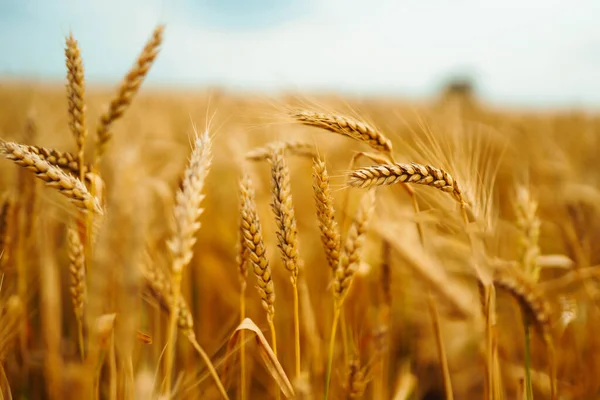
[
  {"x": 347, "y": 126},
  {"x": 64, "y": 160}
]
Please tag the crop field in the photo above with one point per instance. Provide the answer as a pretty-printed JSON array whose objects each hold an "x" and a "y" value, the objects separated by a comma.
[{"x": 165, "y": 243}]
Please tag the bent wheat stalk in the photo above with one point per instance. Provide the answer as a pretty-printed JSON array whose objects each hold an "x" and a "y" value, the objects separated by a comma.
[{"x": 187, "y": 213}]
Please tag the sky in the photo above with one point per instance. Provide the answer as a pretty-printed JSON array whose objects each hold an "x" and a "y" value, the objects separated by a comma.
[{"x": 526, "y": 52}]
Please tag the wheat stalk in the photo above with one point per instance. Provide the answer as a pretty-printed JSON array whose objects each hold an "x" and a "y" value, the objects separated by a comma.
[
  {"x": 287, "y": 234},
  {"x": 67, "y": 185},
  {"x": 187, "y": 213},
  {"x": 129, "y": 87},
  {"x": 75, "y": 93},
  {"x": 242, "y": 262},
  {"x": 347, "y": 126}
]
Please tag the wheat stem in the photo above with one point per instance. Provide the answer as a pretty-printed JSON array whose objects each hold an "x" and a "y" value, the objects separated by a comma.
[
  {"x": 297, "y": 329},
  {"x": 336, "y": 318},
  {"x": 528, "y": 386},
  {"x": 435, "y": 319},
  {"x": 243, "y": 344}
]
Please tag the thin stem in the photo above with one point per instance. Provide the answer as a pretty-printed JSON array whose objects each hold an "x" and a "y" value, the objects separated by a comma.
[
  {"x": 209, "y": 365},
  {"x": 343, "y": 328},
  {"x": 416, "y": 209},
  {"x": 528, "y": 386},
  {"x": 243, "y": 341},
  {"x": 435, "y": 318},
  {"x": 274, "y": 345},
  {"x": 80, "y": 338},
  {"x": 552, "y": 367},
  {"x": 336, "y": 317},
  {"x": 171, "y": 335},
  {"x": 297, "y": 329},
  {"x": 112, "y": 362}
]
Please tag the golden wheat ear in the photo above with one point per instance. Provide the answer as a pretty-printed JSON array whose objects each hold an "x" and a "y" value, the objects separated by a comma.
[
  {"x": 75, "y": 100},
  {"x": 67, "y": 185},
  {"x": 128, "y": 89},
  {"x": 390, "y": 174},
  {"x": 330, "y": 235},
  {"x": 254, "y": 243},
  {"x": 294, "y": 147},
  {"x": 345, "y": 125}
]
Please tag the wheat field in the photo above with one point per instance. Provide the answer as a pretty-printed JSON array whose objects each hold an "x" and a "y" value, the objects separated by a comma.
[{"x": 204, "y": 244}]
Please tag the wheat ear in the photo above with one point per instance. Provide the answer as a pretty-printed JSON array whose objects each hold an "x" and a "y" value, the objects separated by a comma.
[
  {"x": 531, "y": 301},
  {"x": 75, "y": 93},
  {"x": 349, "y": 262},
  {"x": 287, "y": 234},
  {"x": 7, "y": 220},
  {"x": 129, "y": 87},
  {"x": 330, "y": 235},
  {"x": 257, "y": 253},
  {"x": 357, "y": 380},
  {"x": 347, "y": 126},
  {"x": 78, "y": 286},
  {"x": 528, "y": 224},
  {"x": 292, "y": 146},
  {"x": 67, "y": 185},
  {"x": 390, "y": 174}
]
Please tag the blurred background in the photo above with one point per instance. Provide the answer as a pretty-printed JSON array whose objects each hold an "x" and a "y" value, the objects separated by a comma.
[{"x": 535, "y": 53}]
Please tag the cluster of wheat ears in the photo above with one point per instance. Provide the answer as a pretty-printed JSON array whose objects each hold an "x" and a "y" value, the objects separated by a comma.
[{"x": 111, "y": 373}]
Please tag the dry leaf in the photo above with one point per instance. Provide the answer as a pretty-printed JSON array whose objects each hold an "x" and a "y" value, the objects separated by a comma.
[{"x": 266, "y": 354}]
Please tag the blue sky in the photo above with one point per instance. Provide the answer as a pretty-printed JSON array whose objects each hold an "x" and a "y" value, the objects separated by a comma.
[{"x": 534, "y": 52}]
